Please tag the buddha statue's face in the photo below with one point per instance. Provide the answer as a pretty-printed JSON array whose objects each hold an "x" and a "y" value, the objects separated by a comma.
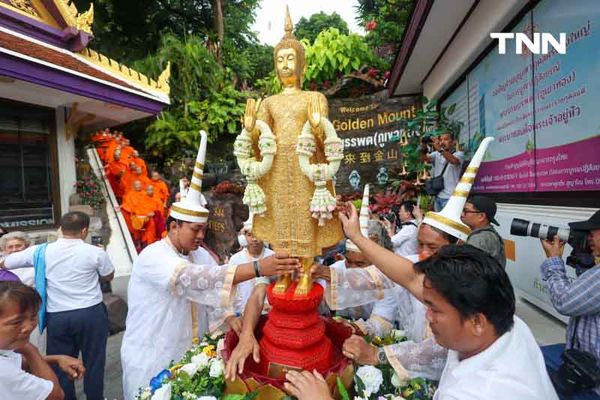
[{"x": 286, "y": 64}]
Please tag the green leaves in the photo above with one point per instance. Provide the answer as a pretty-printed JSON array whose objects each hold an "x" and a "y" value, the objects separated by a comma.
[{"x": 333, "y": 55}]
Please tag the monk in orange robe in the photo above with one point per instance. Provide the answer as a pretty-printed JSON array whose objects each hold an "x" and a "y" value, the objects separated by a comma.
[
  {"x": 135, "y": 157},
  {"x": 114, "y": 171},
  {"x": 139, "y": 210},
  {"x": 126, "y": 150},
  {"x": 161, "y": 189},
  {"x": 134, "y": 173}
]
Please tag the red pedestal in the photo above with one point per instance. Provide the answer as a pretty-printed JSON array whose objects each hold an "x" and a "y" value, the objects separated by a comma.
[{"x": 294, "y": 334}]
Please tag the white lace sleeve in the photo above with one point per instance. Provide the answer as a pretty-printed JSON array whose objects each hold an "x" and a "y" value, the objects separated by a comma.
[
  {"x": 424, "y": 359},
  {"x": 382, "y": 317},
  {"x": 204, "y": 284},
  {"x": 354, "y": 287}
]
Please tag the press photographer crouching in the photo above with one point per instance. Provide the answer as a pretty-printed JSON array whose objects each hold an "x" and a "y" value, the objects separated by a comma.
[{"x": 579, "y": 366}]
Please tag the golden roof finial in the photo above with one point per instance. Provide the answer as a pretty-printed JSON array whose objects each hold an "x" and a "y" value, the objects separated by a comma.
[
  {"x": 288, "y": 25},
  {"x": 84, "y": 21},
  {"x": 163, "y": 79}
]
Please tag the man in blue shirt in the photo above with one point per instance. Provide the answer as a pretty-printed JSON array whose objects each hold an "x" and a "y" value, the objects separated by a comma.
[{"x": 578, "y": 298}]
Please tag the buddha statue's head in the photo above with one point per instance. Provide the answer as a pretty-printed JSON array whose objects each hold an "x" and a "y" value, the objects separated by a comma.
[{"x": 289, "y": 56}]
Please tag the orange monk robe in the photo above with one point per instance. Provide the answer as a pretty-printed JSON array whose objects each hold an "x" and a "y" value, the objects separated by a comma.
[
  {"x": 141, "y": 163},
  {"x": 138, "y": 204},
  {"x": 127, "y": 154},
  {"x": 114, "y": 171},
  {"x": 161, "y": 190},
  {"x": 109, "y": 154},
  {"x": 129, "y": 177}
]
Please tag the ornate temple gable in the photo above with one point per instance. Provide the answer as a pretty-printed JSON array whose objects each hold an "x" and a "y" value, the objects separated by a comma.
[
  {"x": 59, "y": 23},
  {"x": 34, "y": 9}
]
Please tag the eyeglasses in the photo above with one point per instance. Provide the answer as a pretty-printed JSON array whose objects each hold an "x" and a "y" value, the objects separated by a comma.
[{"x": 471, "y": 211}]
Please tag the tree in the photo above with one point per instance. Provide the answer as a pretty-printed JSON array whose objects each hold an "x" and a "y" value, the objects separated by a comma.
[
  {"x": 384, "y": 21},
  {"x": 310, "y": 28}
]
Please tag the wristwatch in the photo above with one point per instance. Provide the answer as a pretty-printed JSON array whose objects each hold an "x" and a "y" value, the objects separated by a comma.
[{"x": 381, "y": 357}]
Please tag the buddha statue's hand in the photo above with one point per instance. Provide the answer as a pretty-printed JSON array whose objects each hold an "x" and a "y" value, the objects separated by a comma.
[
  {"x": 314, "y": 112},
  {"x": 250, "y": 115}
]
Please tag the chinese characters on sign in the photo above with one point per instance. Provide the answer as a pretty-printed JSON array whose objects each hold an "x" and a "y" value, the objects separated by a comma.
[{"x": 366, "y": 126}]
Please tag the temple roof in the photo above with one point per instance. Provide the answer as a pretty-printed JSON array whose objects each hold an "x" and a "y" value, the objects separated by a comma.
[{"x": 55, "y": 32}]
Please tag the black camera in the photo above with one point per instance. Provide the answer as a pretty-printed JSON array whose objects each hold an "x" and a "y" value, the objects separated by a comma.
[
  {"x": 426, "y": 139},
  {"x": 581, "y": 257}
]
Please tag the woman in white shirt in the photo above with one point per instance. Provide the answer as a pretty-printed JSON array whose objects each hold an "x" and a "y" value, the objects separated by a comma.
[
  {"x": 405, "y": 241},
  {"x": 18, "y": 318}
]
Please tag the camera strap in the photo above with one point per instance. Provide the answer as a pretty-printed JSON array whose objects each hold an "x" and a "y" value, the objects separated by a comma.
[
  {"x": 574, "y": 340},
  {"x": 444, "y": 169}
]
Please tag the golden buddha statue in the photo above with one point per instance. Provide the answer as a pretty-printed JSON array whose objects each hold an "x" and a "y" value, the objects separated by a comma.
[{"x": 287, "y": 223}]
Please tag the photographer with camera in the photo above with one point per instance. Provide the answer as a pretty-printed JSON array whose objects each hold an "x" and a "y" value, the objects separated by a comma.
[
  {"x": 478, "y": 214},
  {"x": 580, "y": 299},
  {"x": 446, "y": 164}
]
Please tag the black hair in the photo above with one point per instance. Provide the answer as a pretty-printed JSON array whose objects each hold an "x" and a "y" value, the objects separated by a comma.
[
  {"x": 409, "y": 206},
  {"x": 473, "y": 282},
  {"x": 171, "y": 219},
  {"x": 74, "y": 222},
  {"x": 26, "y": 297},
  {"x": 449, "y": 238}
]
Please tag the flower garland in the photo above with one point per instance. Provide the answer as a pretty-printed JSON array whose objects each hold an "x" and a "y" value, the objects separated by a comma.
[
  {"x": 323, "y": 203},
  {"x": 254, "y": 196},
  {"x": 199, "y": 375}
]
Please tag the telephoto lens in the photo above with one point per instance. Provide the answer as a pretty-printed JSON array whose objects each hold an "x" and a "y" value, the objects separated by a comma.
[{"x": 522, "y": 227}]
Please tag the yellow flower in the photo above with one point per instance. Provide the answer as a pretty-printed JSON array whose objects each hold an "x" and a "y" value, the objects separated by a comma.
[
  {"x": 209, "y": 351},
  {"x": 195, "y": 340}
]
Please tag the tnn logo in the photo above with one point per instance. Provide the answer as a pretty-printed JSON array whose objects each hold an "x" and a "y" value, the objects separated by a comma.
[{"x": 539, "y": 45}]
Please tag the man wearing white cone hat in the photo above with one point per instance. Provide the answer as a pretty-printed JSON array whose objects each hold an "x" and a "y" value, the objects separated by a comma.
[
  {"x": 492, "y": 353},
  {"x": 167, "y": 277}
]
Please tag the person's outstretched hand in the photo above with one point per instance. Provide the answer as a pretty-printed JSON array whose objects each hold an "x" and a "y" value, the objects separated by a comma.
[
  {"x": 278, "y": 264},
  {"x": 246, "y": 346},
  {"x": 307, "y": 386},
  {"x": 350, "y": 223}
]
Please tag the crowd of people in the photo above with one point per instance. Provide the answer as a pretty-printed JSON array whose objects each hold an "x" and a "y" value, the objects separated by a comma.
[
  {"x": 143, "y": 200},
  {"x": 440, "y": 279}
]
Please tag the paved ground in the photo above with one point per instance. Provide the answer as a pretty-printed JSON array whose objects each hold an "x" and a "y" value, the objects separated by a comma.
[{"x": 547, "y": 330}]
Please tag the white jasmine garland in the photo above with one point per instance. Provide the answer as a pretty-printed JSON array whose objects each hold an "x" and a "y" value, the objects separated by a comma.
[
  {"x": 323, "y": 203},
  {"x": 206, "y": 398},
  {"x": 371, "y": 377},
  {"x": 254, "y": 196}
]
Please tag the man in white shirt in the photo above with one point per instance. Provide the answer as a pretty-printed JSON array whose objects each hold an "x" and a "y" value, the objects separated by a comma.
[
  {"x": 445, "y": 160},
  {"x": 471, "y": 304},
  {"x": 253, "y": 250},
  {"x": 77, "y": 319},
  {"x": 405, "y": 241}
]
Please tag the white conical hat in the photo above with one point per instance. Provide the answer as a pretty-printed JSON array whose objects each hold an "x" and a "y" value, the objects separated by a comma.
[
  {"x": 191, "y": 208},
  {"x": 363, "y": 220},
  {"x": 448, "y": 220}
]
